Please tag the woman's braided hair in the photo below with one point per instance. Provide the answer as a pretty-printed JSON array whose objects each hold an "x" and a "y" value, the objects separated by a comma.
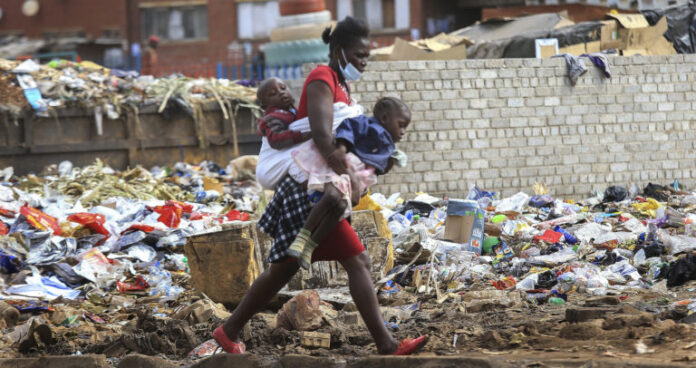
[{"x": 348, "y": 31}]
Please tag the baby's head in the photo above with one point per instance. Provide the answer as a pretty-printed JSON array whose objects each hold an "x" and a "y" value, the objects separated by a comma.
[
  {"x": 273, "y": 92},
  {"x": 394, "y": 115}
]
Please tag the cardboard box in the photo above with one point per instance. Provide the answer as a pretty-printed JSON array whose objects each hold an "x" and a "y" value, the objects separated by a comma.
[
  {"x": 649, "y": 39},
  {"x": 609, "y": 35},
  {"x": 464, "y": 224},
  {"x": 440, "y": 47},
  {"x": 213, "y": 184},
  {"x": 545, "y": 47},
  {"x": 632, "y": 34}
]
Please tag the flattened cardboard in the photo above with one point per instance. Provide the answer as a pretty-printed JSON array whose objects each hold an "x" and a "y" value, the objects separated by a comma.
[
  {"x": 630, "y": 21},
  {"x": 650, "y": 39},
  {"x": 404, "y": 50}
]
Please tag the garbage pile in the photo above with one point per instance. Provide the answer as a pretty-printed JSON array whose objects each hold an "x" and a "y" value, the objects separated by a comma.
[
  {"x": 80, "y": 246},
  {"x": 110, "y": 92},
  {"x": 92, "y": 261},
  {"x": 547, "y": 248}
]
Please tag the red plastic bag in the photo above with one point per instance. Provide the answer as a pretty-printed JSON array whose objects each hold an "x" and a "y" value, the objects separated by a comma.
[
  {"x": 92, "y": 221},
  {"x": 170, "y": 212},
  {"x": 185, "y": 208},
  {"x": 138, "y": 284},
  {"x": 3, "y": 228},
  {"x": 198, "y": 216},
  {"x": 141, "y": 227},
  {"x": 235, "y": 215},
  {"x": 549, "y": 236},
  {"x": 505, "y": 283},
  {"x": 40, "y": 220}
]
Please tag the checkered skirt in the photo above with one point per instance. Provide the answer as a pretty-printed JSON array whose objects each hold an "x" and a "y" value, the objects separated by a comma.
[{"x": 284, "y": 216}]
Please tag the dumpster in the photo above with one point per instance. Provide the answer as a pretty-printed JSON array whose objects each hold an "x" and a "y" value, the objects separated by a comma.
[{"x": 141, "y": 136}]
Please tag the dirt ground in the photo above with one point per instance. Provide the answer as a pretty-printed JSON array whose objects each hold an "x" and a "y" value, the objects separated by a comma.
[{"x": 639, "y": 326}]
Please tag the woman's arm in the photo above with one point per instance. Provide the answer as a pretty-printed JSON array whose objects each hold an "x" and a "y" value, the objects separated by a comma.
[{"x": 320, "y": 114}]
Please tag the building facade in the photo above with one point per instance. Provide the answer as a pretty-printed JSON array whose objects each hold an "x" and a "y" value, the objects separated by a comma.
[{"x": 197, "y": 35}]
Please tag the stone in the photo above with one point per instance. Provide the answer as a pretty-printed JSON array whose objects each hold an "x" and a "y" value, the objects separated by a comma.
[
  {"x": 144, "y": 361},
  {"x": 586, "y": 314},
  {"x": 602, "y": 300},
  {"x": 428, "y": 362},
  {"x": 302, "y": 361},
  {"x": 229, "y": 360},
  {"x": 80, "y": 361},
  {"x": 201, "y": 311},
  {"x": 616, "y": 322}
]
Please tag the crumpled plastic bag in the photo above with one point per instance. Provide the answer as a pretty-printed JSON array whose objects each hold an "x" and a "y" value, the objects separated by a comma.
[
  {"x": 301, "y": 313},
  {"x": 95, "y": 267},
  {"x": 171, "y": 212},
  {"x": 647, "y": 208},
  {"x": 47, "y": 288},
  {"x": 367, "y": 203},
  {"x": 515, "y": 203},
  {"x": 615, "y": 193}
]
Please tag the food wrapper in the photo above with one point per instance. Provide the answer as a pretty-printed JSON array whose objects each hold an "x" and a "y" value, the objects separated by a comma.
[
  {"x": 93, "y": 221},
  {"x": 40, "y": 220}
]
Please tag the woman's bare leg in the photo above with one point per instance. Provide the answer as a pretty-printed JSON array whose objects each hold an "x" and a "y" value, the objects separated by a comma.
[
  {"x": 362, "y": 291},
  {"x": 264, "y": 288}
]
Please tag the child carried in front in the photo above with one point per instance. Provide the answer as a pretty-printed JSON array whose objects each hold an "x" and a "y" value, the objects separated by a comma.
[{"x": 369, "y": 147}]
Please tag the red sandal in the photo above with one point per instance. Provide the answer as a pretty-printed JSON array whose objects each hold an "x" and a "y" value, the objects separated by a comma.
[
  {"x": 227, "y": 344},
  {"x": 410, "y": 346}
]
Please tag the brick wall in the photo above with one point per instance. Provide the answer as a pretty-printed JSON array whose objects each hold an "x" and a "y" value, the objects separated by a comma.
[
  {"x": 88, "y": 16},
  {"x": 505, "y": 124}
]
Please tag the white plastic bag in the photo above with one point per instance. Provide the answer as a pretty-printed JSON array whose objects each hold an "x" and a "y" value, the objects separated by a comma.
[{"x": 515, "y": 203}]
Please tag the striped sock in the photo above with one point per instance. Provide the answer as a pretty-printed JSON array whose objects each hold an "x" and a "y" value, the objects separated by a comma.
[
  {"x": 306, "y": 260},
  {"x": 298, "y": 245}
]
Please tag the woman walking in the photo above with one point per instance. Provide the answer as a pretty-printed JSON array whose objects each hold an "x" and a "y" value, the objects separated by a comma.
[{"x": 287, "y": 211}]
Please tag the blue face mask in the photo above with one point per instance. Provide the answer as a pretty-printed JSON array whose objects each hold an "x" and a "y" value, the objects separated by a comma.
[{"x": 350, "y": 72}]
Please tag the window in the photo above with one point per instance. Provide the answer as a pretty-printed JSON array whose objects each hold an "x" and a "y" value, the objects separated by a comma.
[
  {"x": 179, "y": 22},
  {"x": 256, "y": 19},
  {"x": 111, "y": 33},
  {"x": 379, "y": 14}
]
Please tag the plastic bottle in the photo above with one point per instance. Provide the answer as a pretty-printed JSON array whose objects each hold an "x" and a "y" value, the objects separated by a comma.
[
  {"x": 556, "y": 301},
  {"x": 639, "y": 258},
  {"x": 398, "y": 223},
  {"x": 569, "y": 238},
  {"x": 529, "y": 282},
  {"x": 409, "y": 215},
  {"x": 207, "y": 196}
]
